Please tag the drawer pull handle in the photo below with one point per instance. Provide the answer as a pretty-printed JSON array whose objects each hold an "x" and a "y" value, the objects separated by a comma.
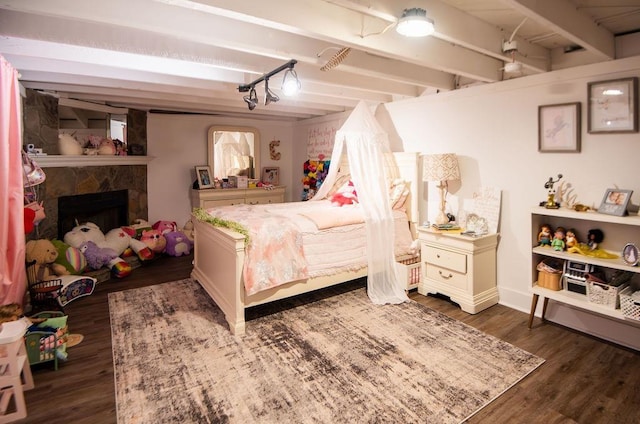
[
  {"x": 438, "y": 255},
  {"x": 445, "y": 276}
]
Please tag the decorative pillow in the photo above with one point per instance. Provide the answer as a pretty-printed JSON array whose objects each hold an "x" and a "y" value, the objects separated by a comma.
[
  {"x": 339, "y": 183},
  {"x": 398, "y": 193},
  {"x": 346, "y": 195}
]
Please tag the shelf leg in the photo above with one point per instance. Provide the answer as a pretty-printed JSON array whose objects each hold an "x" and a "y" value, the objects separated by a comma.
[
  {"x": 544, "y": 307},
  {"x": 534, "y": 303}
]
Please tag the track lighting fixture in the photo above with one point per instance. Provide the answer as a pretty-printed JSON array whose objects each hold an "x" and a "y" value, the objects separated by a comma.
[
  {"x": 415, "y": 23},
  {"x": 269, "y": 96},
  {"x": 290, "y": 85},
  {"x": 252, "y": 98}
]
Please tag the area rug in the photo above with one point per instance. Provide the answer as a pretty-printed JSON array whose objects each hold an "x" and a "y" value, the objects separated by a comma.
[{"x": 336, "y": 359}]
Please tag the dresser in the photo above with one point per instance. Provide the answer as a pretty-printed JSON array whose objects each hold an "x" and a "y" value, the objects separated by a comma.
[
  {"x": 210, "y": 198},
  {"x": 461, "y": 267}
]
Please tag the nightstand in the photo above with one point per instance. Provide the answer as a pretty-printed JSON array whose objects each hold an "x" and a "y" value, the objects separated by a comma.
[{"x": 461, "y": 267}]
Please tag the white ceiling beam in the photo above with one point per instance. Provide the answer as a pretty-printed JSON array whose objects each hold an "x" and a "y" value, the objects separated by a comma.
[
  {"x": 325, "y": 21},
  {"x": 561, "y": 16},
  {"x": 344, "y": 26}
]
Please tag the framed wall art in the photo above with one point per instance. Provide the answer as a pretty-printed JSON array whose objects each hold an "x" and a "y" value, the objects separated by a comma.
[
  {"x": 271, "y": 175},
  {"x": 559, "y": 128},
  {"x": 204, "y": 176},
  {"x": 615, "y": 202},
  {"x": 613, "y": 106}
]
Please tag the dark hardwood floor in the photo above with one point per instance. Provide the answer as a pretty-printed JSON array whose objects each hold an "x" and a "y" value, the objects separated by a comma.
[{"x": 583, "y": 380}]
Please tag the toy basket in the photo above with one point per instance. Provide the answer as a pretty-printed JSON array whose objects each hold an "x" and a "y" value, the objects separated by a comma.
[
  {"x": 630, "y": 307},
  {"x": 606, "y": 293},
  {"x": 549, "y": 275},
  {"x": 409, "y": 271}
]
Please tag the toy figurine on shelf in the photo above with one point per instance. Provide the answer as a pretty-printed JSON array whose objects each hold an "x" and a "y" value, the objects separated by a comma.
[
  {"x": 544, "y": 236},
  {"x": 594, "y": 238},
  {"x": 551, "y": 193},
  {"x": 570, "y": 238},
  {"x": 558, "y": 239}
]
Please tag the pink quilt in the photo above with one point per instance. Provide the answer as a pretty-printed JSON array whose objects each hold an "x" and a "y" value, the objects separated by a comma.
[{"x": 275, "y": 254}]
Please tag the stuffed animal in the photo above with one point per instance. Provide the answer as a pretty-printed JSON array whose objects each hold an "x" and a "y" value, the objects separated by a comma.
[
  {"x": 188, "y": 230},
  {"x": 178, "y": 243},
  {"x": 117, "y": 240},
  {"x": 135, "y": 230},
  {"x": 70, "y": 257},
  {"x": 45, "y": 254},
  {"x": 97, "y": 257},
  {"x": 165, "y": 226},
  {"x": 154, "y": 240}
]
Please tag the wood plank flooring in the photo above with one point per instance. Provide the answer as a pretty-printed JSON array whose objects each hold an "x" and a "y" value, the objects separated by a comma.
[{"x": 584, "y": 380}]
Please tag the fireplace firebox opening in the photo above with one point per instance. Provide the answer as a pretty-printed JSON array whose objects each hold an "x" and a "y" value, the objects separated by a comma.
[{"x": 108, "y": 210}]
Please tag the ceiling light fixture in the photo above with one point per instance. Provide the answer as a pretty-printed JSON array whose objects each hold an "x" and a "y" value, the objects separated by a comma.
[
  {"x": 290, "y": 85},
  {"x": 269, "y": 96},
  {"x": 252, "y": 98},
  {"x": 415, "y": 23}
]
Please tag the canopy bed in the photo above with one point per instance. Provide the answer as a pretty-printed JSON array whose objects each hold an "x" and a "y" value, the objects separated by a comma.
[
  {"x": 219, "y": 253},
  {"x": 254, "y": 254}
]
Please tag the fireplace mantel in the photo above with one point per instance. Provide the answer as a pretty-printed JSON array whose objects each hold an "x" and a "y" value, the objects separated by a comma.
[{"x": 58, "y": 161}]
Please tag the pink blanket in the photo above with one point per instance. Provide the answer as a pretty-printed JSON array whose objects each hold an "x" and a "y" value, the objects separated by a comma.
[
  {"x": 334, "y": 216},
  {"x": 274, "y": 255}
]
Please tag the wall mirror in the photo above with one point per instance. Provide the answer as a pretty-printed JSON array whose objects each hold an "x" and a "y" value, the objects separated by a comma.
[{"x": 233, "y": 151}]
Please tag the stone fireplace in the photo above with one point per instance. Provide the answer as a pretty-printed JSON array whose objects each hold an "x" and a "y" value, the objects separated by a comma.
[
  {"x": 107, "y": 210},
  {"x": 91, "y": 180},
  {"x": 41, "y": 128}
]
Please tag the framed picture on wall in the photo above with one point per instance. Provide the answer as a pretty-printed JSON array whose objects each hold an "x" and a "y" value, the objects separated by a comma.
[
  {"x": 615, "y": 202},
  {"x": 271, "y": 175},
  {"x": 613, "y": 106},
  {"x": 559, "y": 128},
  {"x": 204, "y": 176}
]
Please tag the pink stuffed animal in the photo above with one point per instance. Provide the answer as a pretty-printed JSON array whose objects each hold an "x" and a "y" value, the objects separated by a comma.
[
  {"x": 165, "y": 226},
  {"x": 154, "y": 240}
]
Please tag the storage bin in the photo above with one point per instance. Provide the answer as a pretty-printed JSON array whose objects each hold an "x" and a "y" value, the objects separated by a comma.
[
  {"x": 409, "y": 271},
  {"x": 630, "y": 307},
  {"x": 604, "y": 294},
  {"x": 550, "y": 274}
]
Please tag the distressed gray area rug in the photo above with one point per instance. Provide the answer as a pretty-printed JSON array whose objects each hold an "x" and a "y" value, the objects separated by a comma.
[{"x": 337, "y": 359}]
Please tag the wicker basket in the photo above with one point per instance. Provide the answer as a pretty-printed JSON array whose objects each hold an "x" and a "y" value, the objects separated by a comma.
[
  {"x": 549, "y": 280},
  {"x": 630, "y": 307}
]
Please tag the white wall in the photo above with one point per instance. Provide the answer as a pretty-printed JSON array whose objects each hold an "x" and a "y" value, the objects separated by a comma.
[
  {"x": 179, "y": 142},
  {"x": 493, "y": 129}
]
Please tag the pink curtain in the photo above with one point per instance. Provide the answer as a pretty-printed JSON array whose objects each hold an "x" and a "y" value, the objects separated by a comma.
[{"x": 12, "y": 238}]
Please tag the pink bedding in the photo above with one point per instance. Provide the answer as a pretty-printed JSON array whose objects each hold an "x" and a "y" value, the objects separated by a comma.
[
  {"x": 274, "y": 255},
  {"x": 300, "y": 240}
]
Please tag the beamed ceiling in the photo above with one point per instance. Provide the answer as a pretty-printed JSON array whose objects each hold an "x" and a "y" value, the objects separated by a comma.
[{"x": 191, "y": 55}]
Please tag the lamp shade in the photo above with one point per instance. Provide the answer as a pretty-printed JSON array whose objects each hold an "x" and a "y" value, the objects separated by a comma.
[
  {"x": 441, "y": 167},
  {"x": 415, "y": 23}
]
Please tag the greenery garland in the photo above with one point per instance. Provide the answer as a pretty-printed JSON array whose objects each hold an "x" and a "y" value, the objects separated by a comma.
[{"x": 203, "y": 216}]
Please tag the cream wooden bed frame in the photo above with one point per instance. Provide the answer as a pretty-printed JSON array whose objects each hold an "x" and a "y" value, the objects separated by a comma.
[{"x": 219, "y": 257}]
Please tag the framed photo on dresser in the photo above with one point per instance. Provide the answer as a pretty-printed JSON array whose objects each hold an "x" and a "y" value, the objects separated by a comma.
[
  {"x": 271, "y": 175},
  {"x": 204, "y": 176}
]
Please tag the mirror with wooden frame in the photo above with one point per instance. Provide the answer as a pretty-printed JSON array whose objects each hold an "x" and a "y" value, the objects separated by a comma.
[{"x": 233, "y": 151}]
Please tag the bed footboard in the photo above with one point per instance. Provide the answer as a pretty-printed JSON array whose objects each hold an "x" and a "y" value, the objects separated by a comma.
[{"x": 217, "y": 266}]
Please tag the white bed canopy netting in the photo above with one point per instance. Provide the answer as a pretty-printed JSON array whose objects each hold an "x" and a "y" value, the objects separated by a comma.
[{"x": 366, "y": 145}]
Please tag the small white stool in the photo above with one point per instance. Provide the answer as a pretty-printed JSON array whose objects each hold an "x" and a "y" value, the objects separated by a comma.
[{"x": 15, "y": 371}]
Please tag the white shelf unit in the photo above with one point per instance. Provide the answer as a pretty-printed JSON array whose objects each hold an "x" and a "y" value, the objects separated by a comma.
[
  {"x": 618, "y": 231},
  {"x": 60, "y": 161}
]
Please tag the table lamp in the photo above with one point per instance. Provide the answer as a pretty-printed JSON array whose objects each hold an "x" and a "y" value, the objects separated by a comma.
[{"x": 441, "y": 168}]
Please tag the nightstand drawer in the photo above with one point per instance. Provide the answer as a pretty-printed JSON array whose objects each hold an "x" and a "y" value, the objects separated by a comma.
[
  {"x": 446, "y": 259},
  {"x": 446, "y": 276}
]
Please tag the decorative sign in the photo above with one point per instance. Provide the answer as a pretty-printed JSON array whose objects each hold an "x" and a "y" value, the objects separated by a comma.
[
  {"x": 486, "y": 204},
  {"x": 320, "y": 140}
]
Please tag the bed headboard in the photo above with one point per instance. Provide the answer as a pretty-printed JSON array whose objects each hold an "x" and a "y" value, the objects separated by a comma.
[{"x": 404, "y": 165}]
